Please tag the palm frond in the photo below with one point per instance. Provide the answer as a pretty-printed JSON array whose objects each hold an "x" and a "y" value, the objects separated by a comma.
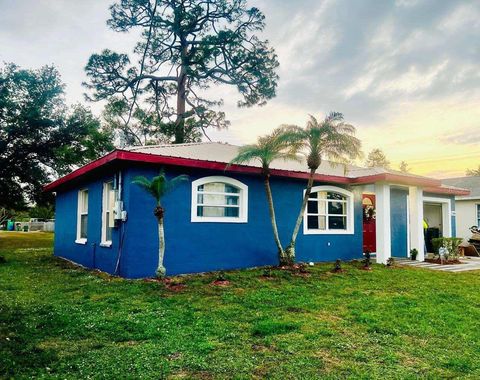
[{"x": 159, "y": 185}]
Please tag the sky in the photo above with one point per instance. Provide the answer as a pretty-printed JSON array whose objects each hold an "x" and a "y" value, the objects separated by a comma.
[{"x": 405, "y": 73}]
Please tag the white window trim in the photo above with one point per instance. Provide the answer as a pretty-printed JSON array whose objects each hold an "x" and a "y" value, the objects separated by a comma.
[
  {"x": 243, "y": 201},
  {"x": 80, "y": 240},
  {"x": 103, "y": 241},
  {"x": 350, "y": 213}
]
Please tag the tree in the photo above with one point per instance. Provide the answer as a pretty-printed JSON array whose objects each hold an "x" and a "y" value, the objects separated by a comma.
[
  {"x": 185, "y": 47},
  {"x": 267, "y": 149},
  {"x": 473, "y": 172},
  {"x": 40, "y": 138},
  {"x": 404, "y": 167},
  {"x": 158, "y": 187},
  {"x": 376, "y": 158},
  {"x": 332, "y": 139}
]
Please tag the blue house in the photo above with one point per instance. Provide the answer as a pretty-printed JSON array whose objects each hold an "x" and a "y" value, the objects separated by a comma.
[{"x": 219, "y": 220}]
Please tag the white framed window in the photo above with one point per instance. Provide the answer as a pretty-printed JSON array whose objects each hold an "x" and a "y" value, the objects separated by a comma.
[
  {"x": 329, "y": 211},
  {"x": 108, "y": 200},
  {"x": 219, "y": 199},
  {"x": 82, "y": 217}
]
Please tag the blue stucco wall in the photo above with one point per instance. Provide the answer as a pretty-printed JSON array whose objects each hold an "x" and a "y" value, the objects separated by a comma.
[
  {"x": 398, "y": 222},
  {"x": 91, "y": 255},
  {"x": 200, "y": 247}
]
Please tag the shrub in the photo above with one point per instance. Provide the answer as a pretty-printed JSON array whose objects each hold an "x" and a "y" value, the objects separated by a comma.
[
  {"x": 367, "y": 261},
  {"x": 390, "y": 262},
  {"x": 337, "y": 267},
  {"x": 451, "y": 244}
]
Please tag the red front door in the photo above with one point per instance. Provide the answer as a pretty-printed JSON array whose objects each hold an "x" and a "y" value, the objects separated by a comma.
[{"x": 369, "y": 230}]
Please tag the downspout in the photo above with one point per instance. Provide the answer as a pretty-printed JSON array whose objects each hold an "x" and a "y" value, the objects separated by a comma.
[{"x": 122, "y": 228}]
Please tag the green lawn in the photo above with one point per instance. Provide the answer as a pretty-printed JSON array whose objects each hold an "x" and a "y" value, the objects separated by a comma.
[{"x": 57, "y": 321}]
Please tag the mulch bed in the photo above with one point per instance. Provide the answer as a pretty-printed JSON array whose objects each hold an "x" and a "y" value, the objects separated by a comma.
[
  {"x": 220, "y": 283},
  {"x": 445, "y": 262}
]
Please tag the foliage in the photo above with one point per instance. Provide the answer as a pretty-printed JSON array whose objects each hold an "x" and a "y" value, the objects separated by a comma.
[
  {"x": 376, "y": 158},
  {"x": 404, "y": 167},
  {"x": 331, "y": 138},
  {"x": 267, "y": 149},
  {"x": 42, "y": 212},
  {"x": 390, "y": 262},
  {"x": 40, "y": 138},
  {"x": 159, "y": 185},
  {"x": 337, "y": 267},
  {"x": 70, "y": 323},
  {"x": 473, "y": 172},
  {"x": 451, "y": 244},
  {"x": 185, "y": 48},
  {"x": 413, "y": 253},
  {"x": 367, "y": 260}
]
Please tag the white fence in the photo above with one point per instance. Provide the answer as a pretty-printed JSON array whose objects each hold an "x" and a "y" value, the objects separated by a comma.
[{"x": 36, "y": 226}]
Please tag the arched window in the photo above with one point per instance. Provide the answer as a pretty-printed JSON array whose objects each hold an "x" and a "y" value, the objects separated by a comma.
[
  {"x": 329, "y": 211},
  {"x": 219, "y": 199}
]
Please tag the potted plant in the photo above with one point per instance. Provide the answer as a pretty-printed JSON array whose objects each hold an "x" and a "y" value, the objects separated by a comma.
[{"x": 413, "y": 254}]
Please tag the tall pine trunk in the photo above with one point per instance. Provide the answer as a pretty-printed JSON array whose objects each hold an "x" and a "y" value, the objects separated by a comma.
[
  {"x": 282, "y": 258},
  {"x": 161, "y": 248},
  {"x": 181, "y": 103},
  {"x": 290, "y": 250}
]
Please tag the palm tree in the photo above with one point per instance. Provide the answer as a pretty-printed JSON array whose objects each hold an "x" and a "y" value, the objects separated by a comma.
[
  {"x": 267, "y": 149},
  {"x": 159, "y": 186},
  {"x": 331, "y": 138}
]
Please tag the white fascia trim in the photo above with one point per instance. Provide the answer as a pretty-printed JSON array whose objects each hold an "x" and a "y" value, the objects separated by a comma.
[
  {"x": 81, "y": 241},
  {"x": 243, "y": 199},
  {"x": 106, "y": 244},
  {"x": 350, "y": 213}
]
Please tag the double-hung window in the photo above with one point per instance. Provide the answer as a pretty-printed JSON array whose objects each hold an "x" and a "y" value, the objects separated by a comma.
[
  {"x": 329, "y": 211},
  {"x": 107, "y": 213},
  {"x": 219, "y": 199},
  {"x": 82, "y": 217}
]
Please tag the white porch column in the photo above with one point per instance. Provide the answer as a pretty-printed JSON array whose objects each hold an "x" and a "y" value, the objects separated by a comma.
[
  {"x": 383, "y": 230},
  {"x": 417, "y": 240}
]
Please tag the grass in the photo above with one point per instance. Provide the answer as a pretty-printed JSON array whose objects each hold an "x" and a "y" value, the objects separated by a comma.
[{"x": 58, "y": 321}]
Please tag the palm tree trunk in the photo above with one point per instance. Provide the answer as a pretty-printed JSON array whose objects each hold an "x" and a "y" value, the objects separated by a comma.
[
  {"x": 161, "y": 248},
  {"x": 290, "y": 250},
  {"x": 281, "y": 253}
]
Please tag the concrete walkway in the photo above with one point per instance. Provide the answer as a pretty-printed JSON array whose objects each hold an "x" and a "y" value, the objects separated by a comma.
[{"x": 468, "y": 264}]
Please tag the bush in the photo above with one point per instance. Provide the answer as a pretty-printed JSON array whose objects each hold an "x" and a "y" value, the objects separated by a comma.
[{"x": 451, "y": 244}]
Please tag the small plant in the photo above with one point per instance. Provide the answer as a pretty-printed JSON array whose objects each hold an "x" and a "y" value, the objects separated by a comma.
[
  {"x": 267, "y": 273},
  {"x": 413, "y": 254},
  {"x": 367, "y": 261},
  {"x": 390, "y": 262},
  {"x": 337, "y": 267},
  {"x": 221, "y": 276}
]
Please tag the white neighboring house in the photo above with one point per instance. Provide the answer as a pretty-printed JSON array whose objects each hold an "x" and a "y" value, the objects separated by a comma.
[{"x": 467, "y": 207}]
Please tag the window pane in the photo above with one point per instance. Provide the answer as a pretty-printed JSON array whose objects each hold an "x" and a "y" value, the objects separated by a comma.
[
  {"x": 83, "y": 201},
  {"x": 218, "y": 187},
  {"x": 312, "y": 207},
  {"x": 216, "y": 199},
  {"x": 337, "y": 223},
  {"x": 316, "y": 207},
  {"x": 109, "y": 228},
  {"x": 83, "y": 226},
  {"x": 210, "y": 211},
  {"x": 315, "y": 222},
  {"x": 337, "y": 208},
  {"x": 336, "y": 196}
]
